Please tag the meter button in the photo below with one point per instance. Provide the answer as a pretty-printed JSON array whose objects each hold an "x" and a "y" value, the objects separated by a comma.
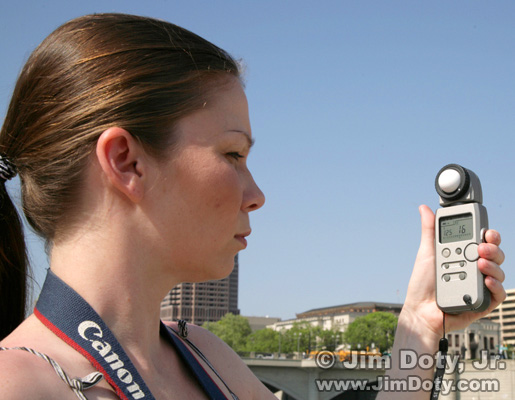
[
  {"x": 458, "y": 251},
  {"x": 446, "y": 253},
  {"x": 463, "y": 275},
  {"x": 471, "y": 252},
  {"x": 446, "y": 278}
]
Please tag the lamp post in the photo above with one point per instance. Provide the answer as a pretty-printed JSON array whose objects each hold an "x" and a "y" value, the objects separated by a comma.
[
  {"x": 309, "y": 343},
  {"x": 297, "y": 335}
]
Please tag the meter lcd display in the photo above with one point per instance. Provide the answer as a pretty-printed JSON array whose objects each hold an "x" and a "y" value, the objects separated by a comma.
[{"x": 456, "y": 228}]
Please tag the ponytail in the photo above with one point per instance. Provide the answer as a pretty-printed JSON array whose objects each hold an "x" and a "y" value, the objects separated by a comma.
[{"x": 13, "y": 266}]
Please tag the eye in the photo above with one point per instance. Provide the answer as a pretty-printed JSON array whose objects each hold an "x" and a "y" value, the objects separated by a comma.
[{"x": 235, "y": 155}]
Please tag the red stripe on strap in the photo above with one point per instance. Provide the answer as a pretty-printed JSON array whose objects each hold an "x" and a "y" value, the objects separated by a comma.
[{"x": 81, "y": 350}]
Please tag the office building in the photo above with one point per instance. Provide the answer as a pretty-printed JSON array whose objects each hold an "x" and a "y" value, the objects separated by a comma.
[
  {"x": 504, "y": 314},
  {"x": 480, "y": 335},
  {"x": 257, "y": 323},
  {"x": 197, "y": 303},
  {"x": 337, "y": 317}
]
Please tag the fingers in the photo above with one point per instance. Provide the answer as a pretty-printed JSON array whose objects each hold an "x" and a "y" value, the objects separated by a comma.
[
  {"x": 491, "y": 257},
  {"x": 497, "y": 291},
  {"x": 492, "y": 236},
  {"x": 491, "y": 252},
  {"x": 490, "y": 268}
]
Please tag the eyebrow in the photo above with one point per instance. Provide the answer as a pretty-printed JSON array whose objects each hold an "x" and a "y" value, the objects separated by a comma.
[{"x": 250, "y": 140}]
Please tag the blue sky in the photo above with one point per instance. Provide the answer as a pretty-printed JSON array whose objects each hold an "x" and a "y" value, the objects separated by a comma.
[{"x": 355, "y": 106}]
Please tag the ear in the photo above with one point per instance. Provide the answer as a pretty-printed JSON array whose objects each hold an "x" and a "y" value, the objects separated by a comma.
[{"x": 122, "y": 158}]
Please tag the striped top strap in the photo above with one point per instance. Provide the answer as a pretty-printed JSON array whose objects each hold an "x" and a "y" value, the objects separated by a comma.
[{"x": 78, "y": 385}]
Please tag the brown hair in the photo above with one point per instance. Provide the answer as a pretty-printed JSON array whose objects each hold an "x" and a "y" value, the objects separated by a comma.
[{"x": 92, "y": 73}]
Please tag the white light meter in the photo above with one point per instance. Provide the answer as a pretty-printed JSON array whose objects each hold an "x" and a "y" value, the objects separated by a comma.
[{"x": 460, "y": 228}]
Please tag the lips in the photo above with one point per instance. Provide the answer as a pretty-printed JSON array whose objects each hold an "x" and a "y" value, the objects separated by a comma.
[{"x": 241, "y": 237}]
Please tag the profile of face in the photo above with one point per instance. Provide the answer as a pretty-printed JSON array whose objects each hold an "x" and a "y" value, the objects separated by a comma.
[{"x": 205, "y": 190}]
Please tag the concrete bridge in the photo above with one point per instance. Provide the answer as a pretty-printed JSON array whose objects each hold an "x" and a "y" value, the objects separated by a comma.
[{"x": 297, "y": 379}]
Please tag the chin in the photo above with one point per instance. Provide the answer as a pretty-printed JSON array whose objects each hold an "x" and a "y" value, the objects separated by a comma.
[
  {"x": 223, "y": 268},
  {"x": 224, "y": 271},
  {"x": 214, "y": 271}
]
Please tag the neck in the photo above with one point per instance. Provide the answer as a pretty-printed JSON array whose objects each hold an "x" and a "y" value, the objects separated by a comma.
[{"x": 121, "y": 286}]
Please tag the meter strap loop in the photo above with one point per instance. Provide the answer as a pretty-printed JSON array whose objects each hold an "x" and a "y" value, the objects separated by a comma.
[{"x": 443, "y": 346}]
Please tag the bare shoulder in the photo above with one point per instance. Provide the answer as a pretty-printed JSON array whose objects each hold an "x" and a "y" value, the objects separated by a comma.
[
  {"x": 25, "y": 376},
  {"x": 211, "y": 345},
  {"x": 227, "y": 363}
]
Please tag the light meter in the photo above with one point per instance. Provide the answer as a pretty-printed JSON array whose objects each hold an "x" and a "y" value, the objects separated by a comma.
[{"x": 460, "y": 227}]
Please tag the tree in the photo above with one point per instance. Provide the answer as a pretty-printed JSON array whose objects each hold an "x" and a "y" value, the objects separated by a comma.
[
  {"x": 377, "y": 328},
  {"x": 232, "y": 329},
  {"x": 299, "y": 337},
  {"x": 235, "y": 331},
  {"x": 304, "y": 337},
  {"x": 329, "y": 339},
  {"x": 263, "y": 341}
]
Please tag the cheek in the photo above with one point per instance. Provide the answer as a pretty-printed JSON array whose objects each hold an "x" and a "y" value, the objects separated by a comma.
[
  {"x": 211, "y": 188},
  {"x": 223, "y": 190}
]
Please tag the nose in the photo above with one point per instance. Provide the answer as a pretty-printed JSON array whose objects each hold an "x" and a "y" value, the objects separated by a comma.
[{"x": 253, "y": 197}]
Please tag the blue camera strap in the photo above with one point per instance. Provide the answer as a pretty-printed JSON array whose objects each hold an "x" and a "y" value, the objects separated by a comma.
[{"x": 72, "y": 319}]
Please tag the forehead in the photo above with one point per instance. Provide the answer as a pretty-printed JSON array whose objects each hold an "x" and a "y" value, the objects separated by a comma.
[{"x": 224, "y": 110}]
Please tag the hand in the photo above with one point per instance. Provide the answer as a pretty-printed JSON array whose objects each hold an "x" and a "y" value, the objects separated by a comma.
[{"x": 420, "y": 306}]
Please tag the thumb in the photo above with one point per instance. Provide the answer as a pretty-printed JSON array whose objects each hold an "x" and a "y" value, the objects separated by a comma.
[
  {"x": 427, "y": 222},
  {"x": 427, "y": 219},
  {"x": 421, "y": 284}
]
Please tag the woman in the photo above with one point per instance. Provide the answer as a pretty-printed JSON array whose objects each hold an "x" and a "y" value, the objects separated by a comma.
[{"x": 131, "y": 136}]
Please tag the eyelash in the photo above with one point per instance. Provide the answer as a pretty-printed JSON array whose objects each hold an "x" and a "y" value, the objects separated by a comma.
[{"x": 235, "y": 155}]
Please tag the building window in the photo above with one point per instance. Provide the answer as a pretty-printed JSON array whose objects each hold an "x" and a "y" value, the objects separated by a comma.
[{"x": 456, "y": 340}]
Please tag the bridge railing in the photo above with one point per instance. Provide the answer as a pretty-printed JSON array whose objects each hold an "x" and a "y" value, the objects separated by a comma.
[{"x": 273, "y": 356}]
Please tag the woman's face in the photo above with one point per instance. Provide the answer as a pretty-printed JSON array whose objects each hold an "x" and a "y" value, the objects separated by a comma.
[{"x": 206, "y": 191}]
